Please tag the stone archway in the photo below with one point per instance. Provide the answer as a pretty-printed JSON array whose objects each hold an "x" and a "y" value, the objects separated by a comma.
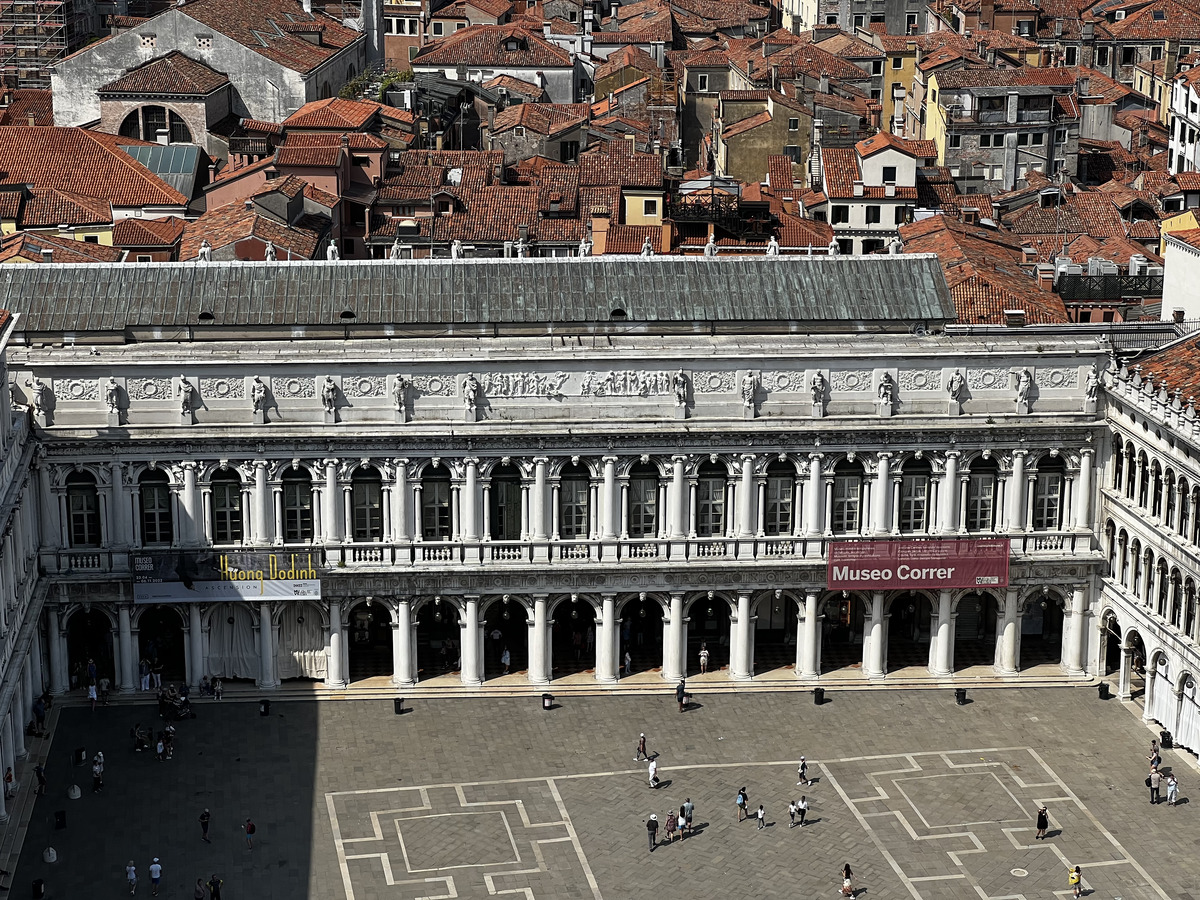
[
  {"x": 640, "y": 634},
  {"x": 369, "y": 640},
  {"x": 709, "y": 625},
  {"x": 842, "y": 631},
  {"x": 505, "y": 628},
  {"x": 438, "y": 638},
  {"x": 90, "y": 638},
  {"x": 161, "y": 641},
  {"x": 776, "y": 631},
  {"x": 572, "y": 638}
]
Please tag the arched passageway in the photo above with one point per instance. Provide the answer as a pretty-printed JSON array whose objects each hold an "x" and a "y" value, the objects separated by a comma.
[
  {"x": 89, "y": 638},
  {"x": 506, "y": 627},
  {"x": 709, "y": 627},
  {"x": 439, "y": 649},
  {"x": 908, "y": 632},
  {"x": 975, "y": 632},
  {"x": 641, "y": 635},
  {"x": 161, "y": 641},
  {"x": 842, "y": 632},
  {"x": 369, "y": 641}
]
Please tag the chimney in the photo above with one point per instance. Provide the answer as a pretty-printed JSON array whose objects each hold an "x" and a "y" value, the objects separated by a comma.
[
  {"x": 47, "y": 255},
  {"x": 1087, "y": 31},
  {"x": 1058, "y": 27},
  {"x": 858, "y": 188},
  {"x": 823, "y": 83},
  {"x": 32, "y": 119},
  {"x": 249, "y": 203},
  {"x": 1014, "y": 318},
  {"x": 6, "y": 99},
  {"x": 163, "y": 136},
  {"x": 987, "y": 10},
  {"x": 546, "y": 30},
  {"x": 970, "y": 215},
  {"x": 1045, "y": 276},
  {"x": 1177, "y": 316},
  {"x": 589, "y": 20},
  {"x": 889, "y": 189},
  {"x": 307, "y": 6},
  {"x": 1028, "y": 255}
]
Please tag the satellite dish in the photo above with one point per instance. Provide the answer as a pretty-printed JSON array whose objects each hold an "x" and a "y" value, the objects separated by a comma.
[{"x": 918, "y": 329}]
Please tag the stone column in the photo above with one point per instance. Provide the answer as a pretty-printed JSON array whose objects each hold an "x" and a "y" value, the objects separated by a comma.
[
  {"x": 814, "y": 519},
  {"x": 880, "y": 519},
  {"x": 19, "y": 715},
  {"x": 611, "y": 508},
  {"x": 948, "y": 517},
  {"x": 48, "y": 504},
  {"x": 266, "y": 648},
  {"x": 810, "y": 643},
  {"x": 1009, "y": 644},
  {"x": 400, "y": 501},
  {"x": 58, "y": 654},
  {"x": 675, "y": 646},
  {"x": 539, "y": 671},
  {"x": 873, "y": 660},
  {"x": 539, "y": 498},
  {"x": 335, "y": 676},
  {"x": 402, "y": 646},
  {"x": 189, "y": 530},
  {"x": 36, "y": 664},
  {"x": 1016, "y": 493},
  {"x": 472, "y": 652},
  {"x": 746, "y": 520},
  {"x": 122, "y": 512},
  {"x": 944, "y": 662},
  {"x": 196, "y": 642},
  {"x": 741, "y": 661},
  {"x": 127, "y": 664},
  {"x": 468, "y": 499},
  {"x": 1076, "y": 636},
  {"x": 1125, "y": 675},
  {"x": 679, "y": 503},
  {"x": 606, "y": 640},
  {"x": 264, "y": 513},
  {"x": 1083, "y": 494},
  {"x": 329, "y": 502}
]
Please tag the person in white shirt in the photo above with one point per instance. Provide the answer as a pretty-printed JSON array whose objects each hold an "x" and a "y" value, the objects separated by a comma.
[
  {"x": 155, "y": 876},
  {"x": 802, "y": 809},
  {"x": 131, "y": 876},
  {"x": 653, "y": 773}
]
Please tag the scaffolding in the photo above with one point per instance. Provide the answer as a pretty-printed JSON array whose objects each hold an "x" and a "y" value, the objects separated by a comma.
[{"x": 34, "y": 34}]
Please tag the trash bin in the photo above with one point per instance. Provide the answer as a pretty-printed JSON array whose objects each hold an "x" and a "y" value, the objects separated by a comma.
[
  {"x": 39, "y": 888},
  {"x": 1164, "y": 740},
  {"x": 818, "y": 696},
  {"x": 264, "y": 707},
  {"x": 79, "y": 757},
  {"x": 960, "y": 696},
  {"x": 60, "y": 819},
  {"x": 398, "y": 705},
  {"x": 547, "y": 701},
  {"x": 1102, "y": 690}
]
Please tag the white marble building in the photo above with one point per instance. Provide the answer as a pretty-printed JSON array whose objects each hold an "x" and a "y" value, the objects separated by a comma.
[{"x": 569, "y": 459}]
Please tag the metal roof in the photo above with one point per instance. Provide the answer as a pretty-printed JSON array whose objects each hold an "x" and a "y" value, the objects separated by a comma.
[
  {"x": 173, "y": 163},
  {"x": 840, "y": 293}
]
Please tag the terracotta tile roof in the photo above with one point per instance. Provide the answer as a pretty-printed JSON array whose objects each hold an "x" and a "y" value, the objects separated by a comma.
[
  {"x": 290, "y": 186},
  {"x": 1101, "y": 88},
  {"x": 1176, "y": 366},
  {"x": 707, "y": 59},
  {"x": 81, "y": 162},
  {"x": 333, "y": 114},
  {"x": 839, "y": 166},
  {"x": 235, "y": 171},
  {"x": 27, "y": 246},
  {"x": 1159, "y": 20},
  {"x": 630, "y": 238},
  {"x": 255, "y": 126},
  {"x": 541, "y": 118},
  {"x": 779, "y": 176},
  {"x": 323, "y": 149},
  {"x": 899, "y": 43},
  {"x": 234, "y": 222},
  {"x": 795, "y": 231},
  {"x": 648, "y": 20},
  {"x": 1001, "y": 40},
  {"x": 48, "y": 208},
  {"x": 148, "y": 232},
  {"x": 261, "y": 27},
  {"x": 126, "y": 21},
  {"x": 630, "y": 57},
  {"x": 1144, "y": 230},
  {"x": 884, "y": 140},
  {"x": 484, "y": 45},
  {"x": 1094, "y": 214},
  {"x": 1188, "y": 181},
  {"x": 616, "y": 165},
  {"x": 744, "y": 96},
  {"x": 946, "y": 56},
  {"x": 747, "y": 124},
  {"x": 707, "y": 16},
  {"x": 1189, "y": 236},
  {"x": 173, "y": 74},
  {"x": 516, "y": 86},
  {"x": 1023, "y": 77},
  {"x": 983, "y": 271},
  {"x": 847, "y": 46},
  {"x": 803, "y": 58},
  {"x": 27, "y": 102},
  {"x": 11, "y": 202},
  {"x": 315, "y": 194}
]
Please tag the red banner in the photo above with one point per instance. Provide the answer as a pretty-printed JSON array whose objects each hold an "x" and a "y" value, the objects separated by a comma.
[{"x": 937, "y": 565}]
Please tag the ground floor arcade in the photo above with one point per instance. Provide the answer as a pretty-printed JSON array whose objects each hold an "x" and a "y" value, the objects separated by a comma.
[{"x": 475, "y": 638}]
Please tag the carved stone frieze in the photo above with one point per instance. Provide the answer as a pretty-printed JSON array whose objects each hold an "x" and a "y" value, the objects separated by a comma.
[
  {"x": 850, "y": 379},
  {"x": 149, "y": 388},
  {"x": 712, "y": 382},
  {"x": 989, "y": 379},
  {"x": 784, "y": 382},
  {"x": 524, "y": 384},
  {"x": 920, "y": 380},
  {"x": 295, "y": 386},
  {"x": 222, "y": 388},
  {"x": 434, "y": 385},
  {"x": 1056, "y": 378},
  {"x": 627, "y": 383},
  {"x": 364, "y": 385},
  {"x": 76, "y": 389}
]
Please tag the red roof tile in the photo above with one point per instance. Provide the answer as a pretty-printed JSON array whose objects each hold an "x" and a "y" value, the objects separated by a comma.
[
  {"x": 48, "y": 208},
  {"x": 234, "y": 222},
  {"x": 28, "y": 102},
  {"x": 334, "y": 114},
  {"x": 1023, "y": 77},
  {"x": 487, "y": 45},
  {"x": 615, "y": 165},
  {"x": 173, "y": 74},
  {"x": 884, "y": 140},
  {"x": 148, "y": 232},
  {"x": 541, "y": 118},
  {"x": 27, "y": 246}
]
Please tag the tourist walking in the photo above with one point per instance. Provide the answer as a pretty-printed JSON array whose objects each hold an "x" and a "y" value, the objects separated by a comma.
[
  {"x": 155, "y": 876},
  {"x": 762, "y": 817},
  {"x": 1075, "y": 882},
  {"x": 249, "y": 829},
  {"x": 802, "y": 809},
  {"x": 1154, "y": 781},
  {"x": 742, "y": 800},
  {"x": 1155, "y": 756},
  {"x": 1043, "y": 822},
  {"x": 653, "y": 772},
  {"x": 792, "y": 813},
  {"x": 40, "y": 774},
  {"x": 802, "y": 773},
  {"x": 205, "y": 818},
  {"x": 652, "y": 831},
  {"x": 131, "y": 877},
  {"x": 641, "y": 748},
  {"x": 97, "y": 777},
  {"x": 681, "y": 695},
  {"x": 1172, "y": 789},
  {"x": 672, "y": 824},
  {"x": 703, "y": 658},
  {"x": 628, "y": 663},
  {"x": 198, "y": 894},
  {"x": 214, "y": 888},
  {"x": 847, "y": 881},
  {"x": 689, "y": 810}
]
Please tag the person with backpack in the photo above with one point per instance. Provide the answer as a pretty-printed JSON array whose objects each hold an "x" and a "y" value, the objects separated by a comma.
[
  {"x": 249, "y": 829},
  {"x": 742, "y": 801},
  {"x": 1075, "y": 882}
]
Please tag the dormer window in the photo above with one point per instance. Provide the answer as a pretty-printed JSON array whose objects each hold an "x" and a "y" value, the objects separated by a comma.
[
  {"x": 149, "y": 41},
  {"x": 512, "y": 45}
]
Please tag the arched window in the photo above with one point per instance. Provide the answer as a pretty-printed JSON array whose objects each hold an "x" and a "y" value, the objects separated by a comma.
[
  {"x": 435, "y": 504},
  {"x": 573, "y": 493},
  {"x": 146, "y": 123},
  {"x": 505, "y": 503},
  {"x": 1048, "y": 495},
  {"x": 914, "y": 498},
  {"x": 83, "y": 509},
  {"x": 643, "y": 501},
  {"x": 1154, "y": 501},
  {"x": 297, "y": 506},
  {"x": 1118, "y": 464},
  {"x": 156, "y": 508},
  {"x": 226, "y": 507},
  {"x": 781, "y": 492},
  {"x": 1169, "y": 512},
  {"x": 710, "y": 500},
  {"x": 981, "y": 496},
  {"x": 847, "y": 498},
  {"x": 366, "y": 499}
]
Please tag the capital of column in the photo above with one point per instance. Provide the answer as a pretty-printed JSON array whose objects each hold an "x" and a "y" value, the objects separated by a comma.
[
  {"x": 610, "y": 459},
  {"x": 1019, "y": 453},
  {"x": 679, "y": 458},
  {"x": 953, "y": 454},
  {"x": 748, "y": 457},
  {"x": 541, "y": 460},
  {"x": 261, "y": 463},
  {"x": 883, "y": 455},
  {"x": 330, "y": 461}
]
